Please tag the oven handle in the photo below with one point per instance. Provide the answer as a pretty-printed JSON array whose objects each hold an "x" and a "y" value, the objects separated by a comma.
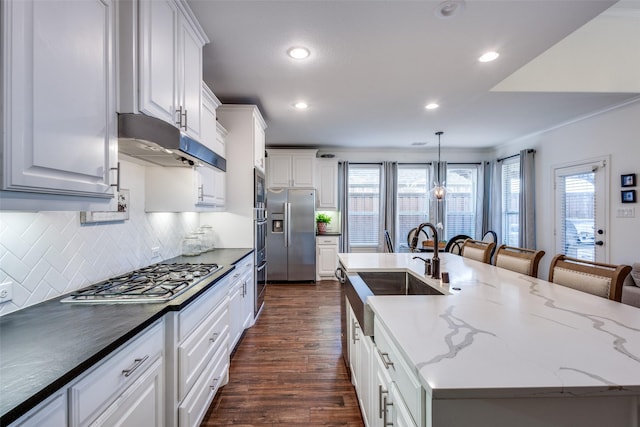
[{"x": 262, "y": 265}]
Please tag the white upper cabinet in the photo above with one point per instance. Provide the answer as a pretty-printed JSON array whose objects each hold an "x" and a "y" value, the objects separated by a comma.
[
  {"x": 327, "y": 184},
  {"x": 259, "y": 144},
  {"x": 212, "y": 133},
  {"x": 290, "y": 168},
  {"x": 161, "y": 62},
  {"x": 58, "y": 95},
  {"x": 184, "y": 189}
]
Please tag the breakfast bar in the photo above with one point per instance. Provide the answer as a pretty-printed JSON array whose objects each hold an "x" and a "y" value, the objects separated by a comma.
[{"x": 502, "y": 349}]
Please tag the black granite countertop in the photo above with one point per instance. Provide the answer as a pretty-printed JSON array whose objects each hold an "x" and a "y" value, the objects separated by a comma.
[{"x": 45, "y": 346}]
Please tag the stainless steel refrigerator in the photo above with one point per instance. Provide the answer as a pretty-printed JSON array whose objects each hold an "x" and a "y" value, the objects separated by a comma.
[{"x": 291, "y": 235}]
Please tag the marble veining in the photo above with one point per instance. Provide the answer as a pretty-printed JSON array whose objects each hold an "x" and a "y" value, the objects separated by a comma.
[
  {"x": 458, "y": 328},
  {"x": 598, "y": 324},
  {"x": 498, "y": 333}
]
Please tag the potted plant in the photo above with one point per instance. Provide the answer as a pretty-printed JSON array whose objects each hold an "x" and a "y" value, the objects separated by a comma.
[{"x": 322, "y": 220}]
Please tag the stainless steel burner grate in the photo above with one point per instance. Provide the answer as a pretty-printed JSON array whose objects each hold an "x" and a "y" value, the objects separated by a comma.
[{"x": 156, "y": 283}]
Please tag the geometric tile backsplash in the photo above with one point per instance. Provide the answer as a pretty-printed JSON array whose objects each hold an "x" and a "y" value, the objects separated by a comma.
[{"x": 47, "y": 254}]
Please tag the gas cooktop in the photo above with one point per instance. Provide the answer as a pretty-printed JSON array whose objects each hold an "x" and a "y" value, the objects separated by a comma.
[{"x": 156, "y": 283}]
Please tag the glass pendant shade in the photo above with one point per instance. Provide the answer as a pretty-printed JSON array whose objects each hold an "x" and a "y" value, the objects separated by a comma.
[{"x": 439, "y": 191}]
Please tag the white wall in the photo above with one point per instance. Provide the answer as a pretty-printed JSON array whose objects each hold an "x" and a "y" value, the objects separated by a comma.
[
  {"x": 615, "y": 133},
  {"x": 47, "y": 254}
]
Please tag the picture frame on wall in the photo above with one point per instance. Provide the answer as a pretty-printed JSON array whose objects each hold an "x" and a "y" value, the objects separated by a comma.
[
  {"x": 628, "y": 196},
  {"x": 628, "y": 180}
]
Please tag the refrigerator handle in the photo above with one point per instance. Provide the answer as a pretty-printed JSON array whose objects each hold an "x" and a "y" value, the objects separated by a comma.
[{"x": 287, "y": 222}]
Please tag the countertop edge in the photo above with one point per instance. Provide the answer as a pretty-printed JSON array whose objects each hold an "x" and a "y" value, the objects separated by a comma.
[{"x": 180, "y": 303}]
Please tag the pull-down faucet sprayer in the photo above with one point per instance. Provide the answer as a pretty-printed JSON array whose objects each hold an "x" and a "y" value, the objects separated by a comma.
[{"x": 435, "y": 269}]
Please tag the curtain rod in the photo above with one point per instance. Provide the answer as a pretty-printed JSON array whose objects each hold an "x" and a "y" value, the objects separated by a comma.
[{"x": 530, "y": 150}]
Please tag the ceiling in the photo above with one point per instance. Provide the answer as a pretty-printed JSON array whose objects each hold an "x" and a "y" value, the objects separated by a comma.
[{"x": 374, "y": 65}]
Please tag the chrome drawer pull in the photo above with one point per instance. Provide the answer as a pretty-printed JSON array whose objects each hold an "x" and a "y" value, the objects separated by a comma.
[
  {"x": 214, "y": 385},
  {"x": 384, "y": 417},
  {"x": 214, "y": 337},
  {"x": 355, "y": 332},
  {"x": 381, "y": 405},
  {"x": 385, "y": 359},
  {"x": 136, "y": 365}
]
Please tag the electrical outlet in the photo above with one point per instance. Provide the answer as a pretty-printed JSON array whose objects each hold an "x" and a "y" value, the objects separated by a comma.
[
  {"x": 6, "y": 292},
  {"x": 155, "y": 252}
]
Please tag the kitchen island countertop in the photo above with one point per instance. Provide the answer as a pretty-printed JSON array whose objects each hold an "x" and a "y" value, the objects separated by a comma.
[
  {"x": 45, "y": 346},
  {"x": 497, "y": 334}
]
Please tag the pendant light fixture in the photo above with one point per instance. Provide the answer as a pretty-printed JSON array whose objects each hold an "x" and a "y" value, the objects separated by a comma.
[{"x": 438, "y": 191}]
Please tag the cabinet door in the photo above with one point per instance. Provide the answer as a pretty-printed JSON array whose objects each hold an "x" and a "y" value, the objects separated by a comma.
[
  {"x": 158, "y": 37},
  {"x": 208, "y": 131},
  {"x": 327, "y": 260},
  {"x": 190, "y": 79},
  {"x": 279, "y": 174},
  {"x": 59, "y": 97},
  {"x": 380, "y": 414},
  {"x": 401, "y": 415},
  {"x": 205, "y": 186},
  {"x": 259, "y": 144},
  {"x": 327, "y": 184},
  {"x": 220, "y": 188},
  {"x": 364, "y": 376},
  {"x": 302, "y": 168},
  {"x": 51, "y": 413},
  {"x": 141, "y": 404},
  {"x": 248, "y": 297},
  {"x": 236, "y": 309}
]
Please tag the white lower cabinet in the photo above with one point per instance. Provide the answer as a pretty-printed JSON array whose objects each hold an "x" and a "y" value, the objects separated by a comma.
[
  {"x": 236, "y": 310},
  {"x": 127, "y": 387},
  {"x": 388, "y": 391},
  {"x": 326, "y": 257},
  {"x": 52, "y": 413},
  {"x": 198, "y": 348}
]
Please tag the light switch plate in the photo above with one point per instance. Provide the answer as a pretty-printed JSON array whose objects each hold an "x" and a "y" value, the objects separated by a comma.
[
  {"x": 626, "y": 213},
  {"x": 6, "y": 292}
]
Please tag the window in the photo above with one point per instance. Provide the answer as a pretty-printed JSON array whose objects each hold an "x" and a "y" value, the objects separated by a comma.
[
  {"x": 364, "y": 220},
  {"x": 511, "y": 201},
  {"x": 412, "y": 201},
  {"x": 461, "y": 202}
]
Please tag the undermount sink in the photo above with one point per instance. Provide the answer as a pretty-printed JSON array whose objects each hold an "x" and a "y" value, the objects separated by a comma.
[{"x": 361, "y": 285}]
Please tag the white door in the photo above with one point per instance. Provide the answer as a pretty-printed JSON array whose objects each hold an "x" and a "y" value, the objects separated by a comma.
[{"x": 581, "y": 210}]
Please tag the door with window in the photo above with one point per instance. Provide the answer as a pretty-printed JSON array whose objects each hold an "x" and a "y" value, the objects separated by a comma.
[
  {"x": 365, "y": 219},
  {"x": 580, "y": 211}
]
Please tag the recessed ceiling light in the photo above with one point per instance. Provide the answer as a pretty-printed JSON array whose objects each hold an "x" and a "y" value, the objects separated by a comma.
[
  {"x": 489, "y": 56},
  {"x": 431, "y": 106},
  {"x": 298, "y": 52},
  {"x": 301, "y": 105}
]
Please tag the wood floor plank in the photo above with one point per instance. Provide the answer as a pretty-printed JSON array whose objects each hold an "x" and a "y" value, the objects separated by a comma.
[{"x": 288, "y": 368}]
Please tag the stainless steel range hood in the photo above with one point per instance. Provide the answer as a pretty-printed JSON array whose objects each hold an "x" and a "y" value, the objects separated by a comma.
[{"x": 158, "y": 142}]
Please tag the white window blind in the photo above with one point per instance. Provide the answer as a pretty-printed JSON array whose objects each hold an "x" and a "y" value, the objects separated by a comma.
[
  {"x": 578, "y": 210},
  {"x": 461, "y": 201},
  {"x": 510, "y": 201},
  {"x": 364, "y": 220},
  {"x": 412, "y": 201}
]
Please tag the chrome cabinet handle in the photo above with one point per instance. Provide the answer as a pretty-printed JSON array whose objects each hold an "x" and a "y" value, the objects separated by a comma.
[
  {"x": 384, "y": 413},
  {"x": 117, "y": 184},
  {"x": 214, "y": 385},
  {"x": 214, "y": 337},
  {"x": 386, "y": 360},
  {"x": 185, "y": 119},
  {"x": 136, "y": 365},
  {"x": 381, "y": 406},
  {"x": 354, "y": 333},
  {"x": 179, "y": 112},
  {"x": 201, "y": 193}
]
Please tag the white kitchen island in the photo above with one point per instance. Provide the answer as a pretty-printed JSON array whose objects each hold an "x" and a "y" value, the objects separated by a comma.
[{"x": 504, "y": 349}]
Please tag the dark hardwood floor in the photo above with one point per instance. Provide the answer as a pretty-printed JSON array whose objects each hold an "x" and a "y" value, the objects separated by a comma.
[{"x": 288, "y": 369}]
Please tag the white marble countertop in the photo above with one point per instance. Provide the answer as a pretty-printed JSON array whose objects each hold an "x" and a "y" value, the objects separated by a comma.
[{"x": 504, "y": 334}]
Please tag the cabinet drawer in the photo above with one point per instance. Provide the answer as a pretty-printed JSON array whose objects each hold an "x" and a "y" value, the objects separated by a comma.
[
  {"x": 195, "y": 405},
  {"x": 401, "y": 374},
  {"x": 326, "y": 240},
  {"x": 194, "y": 313},
  {"x": 106, "y": 381},
  {"x": 195, "y": 352}
]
